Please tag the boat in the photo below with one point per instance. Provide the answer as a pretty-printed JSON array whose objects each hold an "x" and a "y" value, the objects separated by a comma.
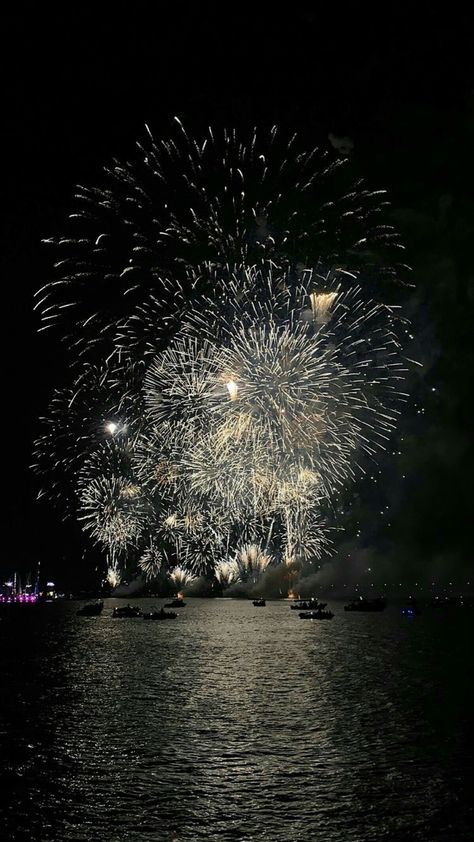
[
  {"x": 126, "y": 611},
  {"x": 308, "y": 605},
  {"x": 259, "y": 603},
  {"x": 160, "y": 615},
  {"x": 447, "y": 602},
  {"x": 364, "y": 604},
  {"x": 92, "y": 609},
  {"x": 411, "y": 609},
  {"x": 175, "y": 603},
  {"x": 316, "y": 615}
]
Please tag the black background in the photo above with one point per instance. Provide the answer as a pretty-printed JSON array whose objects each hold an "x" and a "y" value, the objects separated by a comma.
[{"x": 78, "y": 85}]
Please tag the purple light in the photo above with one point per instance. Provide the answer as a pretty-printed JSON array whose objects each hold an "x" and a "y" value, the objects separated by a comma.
[{"x": 20, "y": 598}]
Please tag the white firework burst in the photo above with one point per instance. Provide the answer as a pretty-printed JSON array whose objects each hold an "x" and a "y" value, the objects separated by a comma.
[
  {"x": 227, "y": 573},
  {"x": 151, "y": 561},
  {"x": 251, "y": 562},
  {"x": 242, "y": 386},
  {"x": 181, "y": 577},
  {"x": 181, "y": 383},
  {"x": 113, "y": 511}
]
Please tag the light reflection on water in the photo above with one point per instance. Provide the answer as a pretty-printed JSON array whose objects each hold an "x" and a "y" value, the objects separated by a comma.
[{"x": 234, "y": 722}]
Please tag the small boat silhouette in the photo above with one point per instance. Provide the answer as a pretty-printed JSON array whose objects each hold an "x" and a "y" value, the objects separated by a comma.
[
  {"x": 160, "y": 615},
  {"x": 92, "y": 609}
]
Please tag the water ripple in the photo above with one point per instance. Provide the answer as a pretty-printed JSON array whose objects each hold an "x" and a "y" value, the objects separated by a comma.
[{"x": 233, "y": 723}]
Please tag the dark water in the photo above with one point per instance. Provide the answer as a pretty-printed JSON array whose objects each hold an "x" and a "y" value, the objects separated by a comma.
[{"x": 235, "y": 723}]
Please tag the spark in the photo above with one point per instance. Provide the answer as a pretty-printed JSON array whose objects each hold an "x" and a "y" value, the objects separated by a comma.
[
  {"x": 228, "y": 379},
  {"x": 181, "y": 577},
  {"x": 251, "y": 562},
  {"x": 227, "y": 573},
  {"x": 151, "y": 562}
]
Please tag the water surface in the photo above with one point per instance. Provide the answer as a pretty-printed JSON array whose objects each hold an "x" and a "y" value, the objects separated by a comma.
[{"x": 234, "y": 723}]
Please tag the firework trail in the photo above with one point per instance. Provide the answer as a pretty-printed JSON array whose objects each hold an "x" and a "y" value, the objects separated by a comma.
[
  {"x": 112, "y": 506},
  {"x": 139, "y": 240},
  {"x": 231, "y": 370},
  {"x": 181, "y": 577},
  {"x": 232, "y": 474},
  {"x": 181, "y": 382},
  {"x": 287, "y": 399},
  {"x": 151, "y": 561},
  {"x": 113, "y": 512},
  {"x": 227, "y": 573},
  {"x": 251, "y": 562},
  {"x": 114, "y": 574},
  {"x": 206, "y": 540},
  {"x": 331, "y": 385},
  {"x": 103, "y": 403}
]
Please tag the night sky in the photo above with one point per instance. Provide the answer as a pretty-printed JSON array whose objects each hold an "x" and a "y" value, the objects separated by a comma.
[{"x": 78, "y": 87}]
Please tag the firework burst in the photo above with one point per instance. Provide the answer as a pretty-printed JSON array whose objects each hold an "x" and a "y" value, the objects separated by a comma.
[
  {"x": 114, "y": 575},
  {"x": 222, "y": 200},
  {"x": 103, "y": 404},
  {"x": 251, "y": 562},
  {"x": 240, "y": 373},
  {"x": 113, "y": 511},
  {"x": 227, "y": 573},
  {"x": 180, "y": 384},
  {"x": 181, "y": 577},
  {"x": 150, "y": 563}
]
